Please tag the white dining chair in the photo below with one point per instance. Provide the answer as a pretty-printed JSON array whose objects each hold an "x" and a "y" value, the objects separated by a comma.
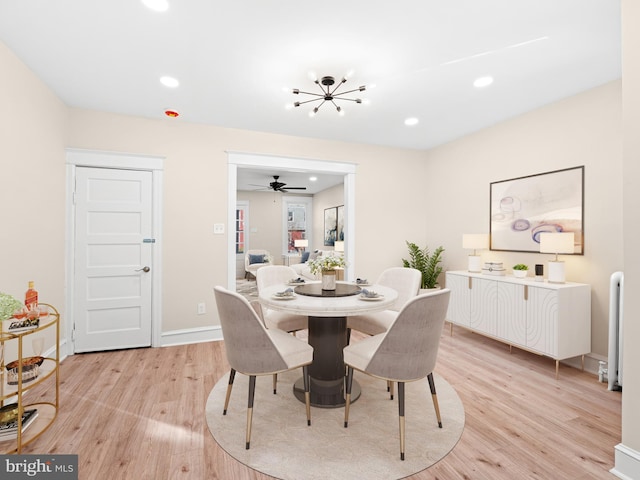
[
  {"x": 279, "y": 275},
  {"x": 405, "y": 281},
  {"x": 406, "y": 352},
  {"x": 254, "y": 350}
]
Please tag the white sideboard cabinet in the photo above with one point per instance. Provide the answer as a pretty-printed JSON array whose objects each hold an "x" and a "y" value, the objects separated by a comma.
[{"x": 549, "y": 319}]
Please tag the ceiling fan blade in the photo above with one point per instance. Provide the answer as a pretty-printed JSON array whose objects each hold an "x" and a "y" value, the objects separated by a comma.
[{"x": 296, "y": 188}]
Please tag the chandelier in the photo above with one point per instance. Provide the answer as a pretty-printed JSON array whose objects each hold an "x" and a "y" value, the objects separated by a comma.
[{"x": 329, "y": 94}]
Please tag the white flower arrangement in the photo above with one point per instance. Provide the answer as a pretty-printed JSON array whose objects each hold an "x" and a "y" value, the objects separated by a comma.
[{"x": 329, "y": 262}]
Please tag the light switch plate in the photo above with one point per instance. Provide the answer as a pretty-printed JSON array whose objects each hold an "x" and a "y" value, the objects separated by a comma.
[{"x": 218, "y": 228}]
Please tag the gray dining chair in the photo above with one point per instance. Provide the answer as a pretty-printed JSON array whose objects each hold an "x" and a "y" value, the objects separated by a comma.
[
  {"x": 254, "y": 350},
  {"x": 279, "y": 275},
  {"x": 406, "y": 352}
]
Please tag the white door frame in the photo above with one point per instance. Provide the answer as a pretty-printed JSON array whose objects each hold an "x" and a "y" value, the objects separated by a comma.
[
  {"x": 252, "y": 160},
  {"x": 124, "y": 161}
]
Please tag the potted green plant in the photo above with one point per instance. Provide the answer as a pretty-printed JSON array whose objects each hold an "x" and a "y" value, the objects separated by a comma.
[
  {"x": 427, "y": 263},
  {"x": 520, "y": 270}
]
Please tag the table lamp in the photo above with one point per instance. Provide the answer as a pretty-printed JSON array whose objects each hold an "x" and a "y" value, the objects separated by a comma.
[
  {"x": 301, "y": 244},
  {"x": 556, "y": 243},
  {"x": 475, "y": 241}
]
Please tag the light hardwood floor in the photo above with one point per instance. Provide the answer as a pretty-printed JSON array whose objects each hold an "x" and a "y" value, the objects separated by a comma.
[{"x": 139, "y": 414}]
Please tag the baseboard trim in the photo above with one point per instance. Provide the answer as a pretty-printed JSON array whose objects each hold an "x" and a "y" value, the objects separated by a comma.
[
  {"x": 591, "y": 363},
  {"x": 190, "y": 335},
  {"x": 627, "y": 463}
]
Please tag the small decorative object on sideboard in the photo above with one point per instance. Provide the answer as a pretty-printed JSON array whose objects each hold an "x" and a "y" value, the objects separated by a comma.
[
  {"x": 493, "y": 268},
  {"x": 520, "y": 270}
]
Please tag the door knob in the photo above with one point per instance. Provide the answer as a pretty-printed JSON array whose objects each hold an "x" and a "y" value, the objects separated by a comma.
[{"x": 143, "y": 269}]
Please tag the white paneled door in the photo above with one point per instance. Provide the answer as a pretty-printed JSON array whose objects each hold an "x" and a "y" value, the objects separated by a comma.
[{"x": 113, "y": 253}]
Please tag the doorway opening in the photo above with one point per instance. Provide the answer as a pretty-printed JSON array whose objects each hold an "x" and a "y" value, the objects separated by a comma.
[{"x": 270, "y": 163}]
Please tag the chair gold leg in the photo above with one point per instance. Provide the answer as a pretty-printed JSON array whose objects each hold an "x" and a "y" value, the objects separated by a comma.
[
  {"x": 249, "y": 419},
  {"x": 347, "y": 397},
  {"x": 252, "y": 391},
  {"x": 434, "y": 397},
  {"x": 307, "y": 394},
  {"x": 232, "y": 375},
  {"x": 401, "y": 417},
  {"x": 391, "y": 388}
]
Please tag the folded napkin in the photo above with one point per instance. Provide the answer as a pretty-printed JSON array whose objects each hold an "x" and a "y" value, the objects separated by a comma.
[
  {"x": 285, "y": 293},
  {"x": 369, "y": 293},
  {"x": 361, "y": 280},
  {"x": 297, "y": 280}
]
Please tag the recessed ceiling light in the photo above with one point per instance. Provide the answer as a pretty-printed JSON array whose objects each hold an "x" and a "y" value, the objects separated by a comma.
[
  {"x": 169, "y": 82},
  {"x": 483, "y": 82},
  {"x": 313, "y": 179},
  {"x": 157, "y": 5},
  {"x": 411, "y": 121}
]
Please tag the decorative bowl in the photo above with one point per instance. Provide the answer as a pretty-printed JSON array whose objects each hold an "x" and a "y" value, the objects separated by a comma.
[{"x": 8, "y": 413}]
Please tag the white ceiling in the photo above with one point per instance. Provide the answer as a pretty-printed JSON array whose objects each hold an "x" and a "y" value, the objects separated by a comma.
[{"x": 234, "y": 58}]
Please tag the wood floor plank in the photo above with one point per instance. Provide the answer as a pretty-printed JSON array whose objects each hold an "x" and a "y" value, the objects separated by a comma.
[{"x": 140, "y": 414}]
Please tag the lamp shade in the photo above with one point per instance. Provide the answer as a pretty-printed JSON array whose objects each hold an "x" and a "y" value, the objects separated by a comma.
[
  {"x": 475, "y": 241},
  {"x": 338, "y": 246},
  {"x": 562, "y": 242},
  {"x": 301, "y": 242}
]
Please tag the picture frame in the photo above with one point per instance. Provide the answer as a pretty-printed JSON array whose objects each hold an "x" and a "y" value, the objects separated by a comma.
[
  {"x": 330, "y": 226},
  {"x": 522, "y": 208},
  {"x": 340, "y": 224}
]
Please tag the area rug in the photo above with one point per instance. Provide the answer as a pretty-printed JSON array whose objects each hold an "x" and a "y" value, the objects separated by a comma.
[
  {"x": 283, "y": 446},
  {"x": 247, "y": 288}
]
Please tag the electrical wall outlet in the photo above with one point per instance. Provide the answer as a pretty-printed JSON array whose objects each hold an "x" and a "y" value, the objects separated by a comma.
[
  {"x": 202, "y": 308},
  {"x": 218, "y": 228}
]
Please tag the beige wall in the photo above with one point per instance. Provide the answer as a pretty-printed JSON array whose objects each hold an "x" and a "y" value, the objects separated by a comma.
[
  {"x": 631, "y": 227},
  {"x": 331, "y": 197},
  {"x": 195, "y": 188},
  {"x": 581, "y": 130},
  {"x": 33, "y": 135}
]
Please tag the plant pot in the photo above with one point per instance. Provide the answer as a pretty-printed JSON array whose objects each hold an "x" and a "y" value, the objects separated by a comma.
[
  {"x": 328, "y": 280},
  {"x": 520, "y": 273}
]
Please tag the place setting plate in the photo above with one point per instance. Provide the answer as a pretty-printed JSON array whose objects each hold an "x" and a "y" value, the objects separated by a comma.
[{"x": 371, "y": 299}]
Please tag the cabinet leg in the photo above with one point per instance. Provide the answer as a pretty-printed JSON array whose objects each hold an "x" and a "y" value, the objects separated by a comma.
[
  {"x": 557, "y": 368},
  {"x": 451, "y": 329},
  {"x": 583, "y": 363}
]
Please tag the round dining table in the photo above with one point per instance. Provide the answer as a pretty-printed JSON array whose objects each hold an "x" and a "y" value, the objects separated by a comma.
[{"x": 327, "y": 311}]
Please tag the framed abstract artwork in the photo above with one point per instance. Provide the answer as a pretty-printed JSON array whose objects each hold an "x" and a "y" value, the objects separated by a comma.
[
  {"x": 340, "y": 225},
  {"x": 523, "y": 208},
  {"x": 330, "y": 225}
]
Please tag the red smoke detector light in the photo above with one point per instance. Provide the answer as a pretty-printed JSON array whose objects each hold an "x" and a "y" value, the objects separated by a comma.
[{"x": 171, "y": 113}]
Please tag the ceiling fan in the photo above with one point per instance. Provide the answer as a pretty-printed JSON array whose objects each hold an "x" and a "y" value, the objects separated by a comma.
[{"x": 277, "y": 186}]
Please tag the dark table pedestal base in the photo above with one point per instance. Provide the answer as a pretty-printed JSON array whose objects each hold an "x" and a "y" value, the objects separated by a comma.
[
  {"x": 326, "y": 394},
  {"x": 327, "y": 336}
]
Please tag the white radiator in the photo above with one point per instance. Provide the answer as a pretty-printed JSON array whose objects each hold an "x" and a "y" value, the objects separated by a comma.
[{"x": 616, "y": 303}]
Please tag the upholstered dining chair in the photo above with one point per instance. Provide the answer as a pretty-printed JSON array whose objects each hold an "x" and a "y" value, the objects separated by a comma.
[
  {"x": 254, "y": 260},
  {"x": 254, "y": 350},
  {"x": 405, "y": 281},
  {"x": 406, "y": 352},
  {"x": 279, "y": 275}
]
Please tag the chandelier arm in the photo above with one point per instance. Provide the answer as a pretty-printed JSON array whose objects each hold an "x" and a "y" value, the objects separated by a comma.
[
  {"x": 312, "y": 100},
  {"x": 348, "y": 99},
  {"x": 344, "y": 93},
  {"x": 323, "y": 102},
  {"x": 337, "y": 86},
  {"x": 310, "y": 93}
]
